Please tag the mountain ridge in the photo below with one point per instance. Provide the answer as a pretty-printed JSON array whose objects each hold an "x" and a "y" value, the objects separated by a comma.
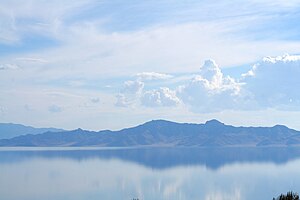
[
  {"x": 10, "y": 130},
  {"x": 160, "y": 132}
]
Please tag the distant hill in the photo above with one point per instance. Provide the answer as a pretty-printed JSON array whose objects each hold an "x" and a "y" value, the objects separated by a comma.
[
  {"x": 9, "y": 130},
  {"x": 165, "y": 133}
]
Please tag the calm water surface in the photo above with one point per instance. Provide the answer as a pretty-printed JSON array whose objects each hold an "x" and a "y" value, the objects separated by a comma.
[{"x": 148, "y": 173}]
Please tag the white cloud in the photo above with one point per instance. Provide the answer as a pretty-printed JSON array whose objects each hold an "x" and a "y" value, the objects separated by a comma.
[
  {"x": 210, "y": 91},
  {"x": 133, "y": 93},
  {"x": 9, "y": 66},
  {"x": 122, "y": 101},
  {"x": 130, "y": 93},
  {"x": 86, "y": 51},
  {"x": 211, "y": 72},
  {"x": 133, "y": 87},
  {"x": 274, "y": 82},
  {"x": 35, "y": 17},
  {"x": 145, "y": 76},
  {"x": 8, "y": 33},
  {"x": 28, "y": 59},
  {"x": 271, "y": 83},
  {"x": 160, "y": 97}
]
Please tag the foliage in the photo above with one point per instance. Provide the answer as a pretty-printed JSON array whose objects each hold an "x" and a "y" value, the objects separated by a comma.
[{"x": 288, "y": 196}]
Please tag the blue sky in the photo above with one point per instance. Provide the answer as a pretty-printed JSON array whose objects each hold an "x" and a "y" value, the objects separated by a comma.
[{"x": 114, "y": 64}]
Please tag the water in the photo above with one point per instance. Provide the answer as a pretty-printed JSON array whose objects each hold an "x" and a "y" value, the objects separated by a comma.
[{"x": 148, "y": 173}]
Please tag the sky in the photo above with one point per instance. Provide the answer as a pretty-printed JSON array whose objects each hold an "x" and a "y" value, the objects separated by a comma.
[{"x": 111, "y": 64}]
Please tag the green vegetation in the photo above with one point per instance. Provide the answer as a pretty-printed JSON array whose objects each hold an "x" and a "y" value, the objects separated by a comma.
[{"x": 288, "y": 196}]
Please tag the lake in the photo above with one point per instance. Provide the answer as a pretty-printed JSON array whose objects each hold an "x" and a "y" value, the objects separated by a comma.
[{"x": 148, "y": 173}]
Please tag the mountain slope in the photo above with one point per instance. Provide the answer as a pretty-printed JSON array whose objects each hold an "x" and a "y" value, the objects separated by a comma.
[
  {"x": 165, "y": 133},
  {"x": 9, "y": 130}
]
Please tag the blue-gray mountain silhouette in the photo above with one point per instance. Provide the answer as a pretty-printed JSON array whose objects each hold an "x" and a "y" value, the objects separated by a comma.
[
  {"x": 165, "y": 133},
  {"x": 163, "y": 157},
  {"x": 10, "y": 130}
]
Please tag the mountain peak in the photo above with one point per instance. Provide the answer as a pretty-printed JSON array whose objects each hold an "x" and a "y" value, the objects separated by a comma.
[
  {"x": 78, "y": 130},
  {"x": 280, "y": 127},
  {"x": 159, "y": 121},
  {"x": 213, "y": 122}
]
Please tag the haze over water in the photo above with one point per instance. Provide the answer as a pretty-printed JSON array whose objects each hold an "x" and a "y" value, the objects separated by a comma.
[{"x": 146, "y": 173}]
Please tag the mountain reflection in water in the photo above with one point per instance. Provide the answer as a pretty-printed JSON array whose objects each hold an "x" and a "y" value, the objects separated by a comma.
[
  {"x": 162, "y": 158},
  {"x": 148, "y": 173}
]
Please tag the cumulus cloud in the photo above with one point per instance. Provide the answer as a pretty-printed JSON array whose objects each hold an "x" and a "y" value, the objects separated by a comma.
[
  {"x": 152, "y": 76},
  {"x": 274, "y": 82},
  {"x": 210, "y": 90},
  {"x": 133, "y": 92},
  {"x": 160, "y": 97},
  {"x": 130, "y": 93},
  {"x": 122, "y": 101},
  {"x": 133, "y": 87},
  {"x": 211, "y": 72}
]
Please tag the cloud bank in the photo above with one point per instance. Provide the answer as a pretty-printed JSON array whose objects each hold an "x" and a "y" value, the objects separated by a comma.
[
  {"x": 160, "y": 97},
  {"x": 130, "y": 93},
  {"x": 272, "y": 83}
]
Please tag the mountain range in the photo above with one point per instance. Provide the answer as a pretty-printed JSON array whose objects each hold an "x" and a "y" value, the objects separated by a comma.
[
  {"x": 10, "y": 130},
  {"x": 165, "y": 133}
]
